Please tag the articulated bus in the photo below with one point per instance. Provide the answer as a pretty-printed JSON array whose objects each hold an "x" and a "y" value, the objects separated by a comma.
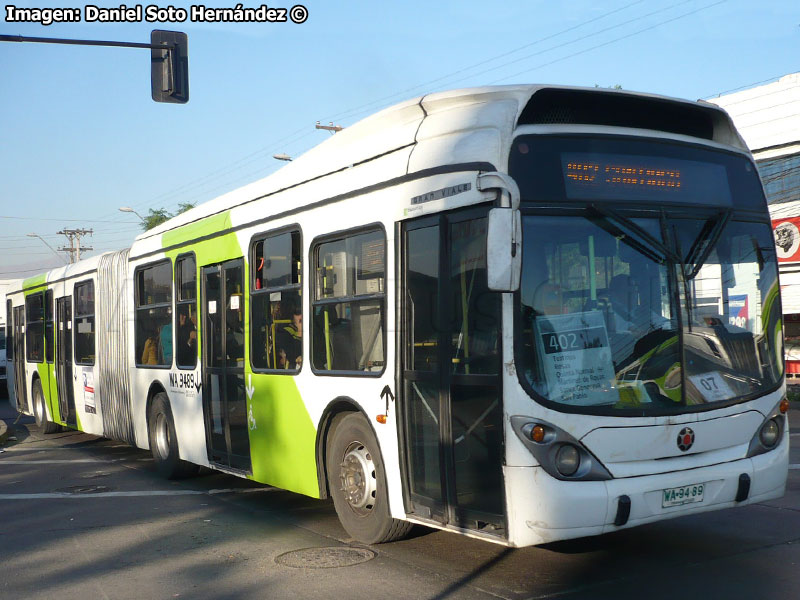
[{"x": 521, "y": 313}]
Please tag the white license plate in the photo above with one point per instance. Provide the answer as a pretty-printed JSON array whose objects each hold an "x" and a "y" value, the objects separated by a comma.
[{"x": 686, "y": 494}]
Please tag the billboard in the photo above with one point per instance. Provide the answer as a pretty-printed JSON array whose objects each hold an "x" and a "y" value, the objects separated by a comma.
[{"x": 787, "y": 239}]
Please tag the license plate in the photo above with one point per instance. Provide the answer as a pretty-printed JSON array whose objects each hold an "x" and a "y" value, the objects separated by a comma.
[{"x": 685, "y": 494}]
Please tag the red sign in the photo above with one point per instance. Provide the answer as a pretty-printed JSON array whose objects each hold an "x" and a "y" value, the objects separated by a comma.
[{"x": 787, "y": 239}]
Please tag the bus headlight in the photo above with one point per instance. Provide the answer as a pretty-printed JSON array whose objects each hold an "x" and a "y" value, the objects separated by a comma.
[
  {"x": 770, "y": 432},
  {"x": 568, "y": 459},
  {"x": 557, "y": 451},
  {"x": 769, "y": 435}
]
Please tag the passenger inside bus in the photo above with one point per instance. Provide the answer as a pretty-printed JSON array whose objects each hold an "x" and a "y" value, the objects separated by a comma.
[
  {"x": 290, "y": 342},
  {"x": 630, "y": 311},
  {"x": 150, "y": 352},
  {"x": 165, "y": 346},
  {"x": 548, "y": 299},
  {"x": 187, "y": 338}
]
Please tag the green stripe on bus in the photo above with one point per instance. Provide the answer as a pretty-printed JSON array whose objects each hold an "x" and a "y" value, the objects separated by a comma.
[
  {"x": 282, "y": 444},
  {"x": 36, "y": 280},
  {"x": 282, "y": 435}
]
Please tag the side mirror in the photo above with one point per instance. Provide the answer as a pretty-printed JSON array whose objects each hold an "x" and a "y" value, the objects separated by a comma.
[
  {"x": 169, "y": 68},
  {"x": 504, "y": 249}
]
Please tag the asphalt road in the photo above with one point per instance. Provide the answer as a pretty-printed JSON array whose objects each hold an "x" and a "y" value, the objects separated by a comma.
[{"x": 84, "y": 517}]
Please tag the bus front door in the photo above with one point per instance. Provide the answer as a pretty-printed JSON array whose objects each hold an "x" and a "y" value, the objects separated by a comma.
[
  {"x": 64, "y": 376},
  {"x": 451, "y": 401},
  {"x": 224, "y": 393},
  {"x": 20, "y": 385}
]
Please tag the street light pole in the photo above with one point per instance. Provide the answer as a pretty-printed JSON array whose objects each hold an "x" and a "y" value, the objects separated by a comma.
[
  {"x": 130, "y": 210},
  {"x": 36, "y": 235}
]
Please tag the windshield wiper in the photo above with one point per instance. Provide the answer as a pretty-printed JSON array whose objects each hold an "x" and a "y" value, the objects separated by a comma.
[
  {"x": 616, "y": 224},
  {"x": 704, "y": 244}
]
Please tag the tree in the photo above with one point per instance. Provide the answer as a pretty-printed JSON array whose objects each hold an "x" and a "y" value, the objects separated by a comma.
[
  {"x": 155, "y": 218},
  {"x": 158, "y": 216}
]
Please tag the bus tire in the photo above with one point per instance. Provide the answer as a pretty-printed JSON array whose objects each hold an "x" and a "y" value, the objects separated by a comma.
[
  {"x": 164, "y": 441},
  {"x": 357, "y": 482},
  {"x": 40, "y": 411}
]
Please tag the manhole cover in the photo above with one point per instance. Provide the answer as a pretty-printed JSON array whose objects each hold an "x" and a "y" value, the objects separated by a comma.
[
  {"x": 85, "y": 489},
  {"x": 325, "y": 558}
]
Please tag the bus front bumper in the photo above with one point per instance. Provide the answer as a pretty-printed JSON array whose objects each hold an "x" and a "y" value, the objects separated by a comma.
[{"x": 543, "y": 509}]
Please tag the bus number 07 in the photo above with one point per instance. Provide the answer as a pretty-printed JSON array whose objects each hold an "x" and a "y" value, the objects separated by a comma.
[{"x": 710, "y": 384}]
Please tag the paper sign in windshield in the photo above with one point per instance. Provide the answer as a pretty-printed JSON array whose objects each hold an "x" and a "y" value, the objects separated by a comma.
[
  {"x": 712, "y": 386},
  {"x": 576, "y": 358}
]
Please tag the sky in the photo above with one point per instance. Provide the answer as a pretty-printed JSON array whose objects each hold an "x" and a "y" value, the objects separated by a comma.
[{"x": 81, "y": 137}]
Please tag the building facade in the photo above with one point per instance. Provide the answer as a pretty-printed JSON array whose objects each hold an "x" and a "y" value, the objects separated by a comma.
[{"x": 768, "y": 118}]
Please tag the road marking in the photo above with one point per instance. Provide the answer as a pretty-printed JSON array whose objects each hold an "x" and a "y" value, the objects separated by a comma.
[{"x": 135, "y": 494}]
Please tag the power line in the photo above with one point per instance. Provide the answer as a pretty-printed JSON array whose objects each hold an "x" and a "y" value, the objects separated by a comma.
[
  {"x": 202, "y": 182},
  {"x": 31, "y": 270},
  {"x": 60, "y": 220},
  {"x": 608, "y": 43},
  {"x": 483, "y": 62},
  {"x": 240, "y": 163},
  {"x": 770, "y": 120},
  {"x": 764, "y": 108},
  {"x": 233, "y": 166},
  {"x": 757, "y": 96},
  {"x": 744, "y": 87},
  {"x": 556, "y": 47}
]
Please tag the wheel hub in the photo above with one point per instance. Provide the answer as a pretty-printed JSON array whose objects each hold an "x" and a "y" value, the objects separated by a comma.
[
  {"x": 162, "y": 436},
  {"x": 358, "y": 478},
  {"x": 38, "y": 406}
]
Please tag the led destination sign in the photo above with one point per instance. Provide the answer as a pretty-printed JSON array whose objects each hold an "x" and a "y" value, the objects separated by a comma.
[
  {"x": 620, "y": 177},
  {"x": 623, "y": 175}
]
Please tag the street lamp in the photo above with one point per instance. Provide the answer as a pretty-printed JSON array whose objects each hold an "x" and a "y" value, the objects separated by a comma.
[
  {"x": 36, "y": 235},
  {"x": 130, "y": 210}
]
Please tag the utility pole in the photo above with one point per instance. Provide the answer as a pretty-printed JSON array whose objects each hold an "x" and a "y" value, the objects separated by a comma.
[{"x": 74, "y": 236}]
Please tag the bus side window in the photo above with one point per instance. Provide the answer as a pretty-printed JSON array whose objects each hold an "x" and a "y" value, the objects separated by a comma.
[
  {"x": 34, "y": 329},
  {"x": 276, "y": 323},
  {"x": 153, "y": 301},
  {"x": 186, "y": 312},
  {"x": 349, "y": 303},
  {"x": 84, "y": 323}
]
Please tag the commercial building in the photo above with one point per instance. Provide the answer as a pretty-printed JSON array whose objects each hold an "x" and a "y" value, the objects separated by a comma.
[{"x": 768, "y": 117}]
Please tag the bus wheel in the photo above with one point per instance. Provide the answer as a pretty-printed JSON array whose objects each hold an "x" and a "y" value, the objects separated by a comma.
[
  {"x": 357, "y": 482},
  {"x": 164, "y": 442},
  {"x": 39, "y": 410}
]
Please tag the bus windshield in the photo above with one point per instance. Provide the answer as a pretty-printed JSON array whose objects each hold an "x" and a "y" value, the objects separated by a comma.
[{"x": 648, "y": 310}]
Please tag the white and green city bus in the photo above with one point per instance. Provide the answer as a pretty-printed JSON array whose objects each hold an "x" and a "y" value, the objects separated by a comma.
[{"x": 522, "y": 313}]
